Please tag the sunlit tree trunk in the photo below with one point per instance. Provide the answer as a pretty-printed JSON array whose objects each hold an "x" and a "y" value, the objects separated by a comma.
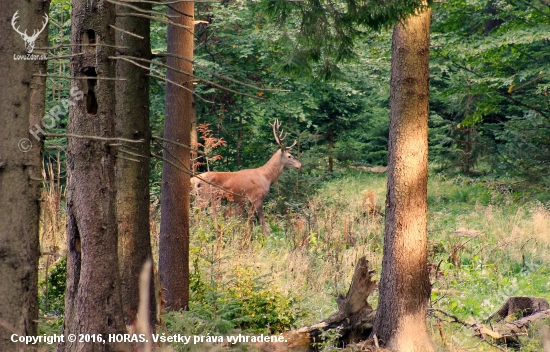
[
  {"x": 21, "y": 108},
  {"x": 132, "y": 177},
  {"x": 400, "y": 322},
  {"x": 174, "y": 227},
  {"x": 92, "y": 298}
]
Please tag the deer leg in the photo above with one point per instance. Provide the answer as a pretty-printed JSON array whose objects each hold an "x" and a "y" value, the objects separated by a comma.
[{"x": 259, "y": 210}]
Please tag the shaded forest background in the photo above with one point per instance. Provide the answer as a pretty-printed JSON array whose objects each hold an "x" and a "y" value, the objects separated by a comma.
[{"x": 489, "y": 146}]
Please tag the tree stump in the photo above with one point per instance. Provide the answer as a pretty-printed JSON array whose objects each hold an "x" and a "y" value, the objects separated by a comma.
[{"x": 353, "y": 320}]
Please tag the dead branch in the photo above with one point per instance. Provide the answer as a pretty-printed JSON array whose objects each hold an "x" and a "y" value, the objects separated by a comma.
[
  {"x": 181, "y": 86},
  {"x": 153, "y": 18},
  {"x": 229, "y": 79},
  {"x": 179, "y": 145},
  {"x": 132, "y": 58},
  {"x": 62, "y": 57},
  {"x": 109, "y": 139},
  {"x": 59, "y": 46},
  {"x": 137, "y": 155},
  {"x": 79, "y": 77},
  {"x": 452, "y": 316},
  {"x": 126, "y": 158},
  {"x": 124, "y": 31},
  {"x": 354, "y": 319},
  {"x": 137, "y": 8}
]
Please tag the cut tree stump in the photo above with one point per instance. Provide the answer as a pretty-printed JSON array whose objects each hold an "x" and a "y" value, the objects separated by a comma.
[
  {"x": 352, "y": 322},
  {"x": 527, "y": 309},
  {"x": 519, "y": 306}
]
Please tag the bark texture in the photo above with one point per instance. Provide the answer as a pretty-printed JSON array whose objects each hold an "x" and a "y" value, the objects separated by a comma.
[
  {"x": 21, "y": 106},
  {"x": 352, "y": 322},
  {"x": 174, "y": 227},
  {"x": 92, "y": 300},
  {"x": 132, "y": 177},
  {"x": 400, "y": 323}
]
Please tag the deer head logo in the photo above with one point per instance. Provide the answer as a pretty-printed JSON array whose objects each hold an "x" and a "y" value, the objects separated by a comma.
[{"x": 29, "y": 41}]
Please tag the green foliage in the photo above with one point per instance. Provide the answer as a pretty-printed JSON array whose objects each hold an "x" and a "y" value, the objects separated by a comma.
[
  {"x": 52, "y": 289},
  {"x": 243, "y": 300},
  {"x": 490, "y": 74}
]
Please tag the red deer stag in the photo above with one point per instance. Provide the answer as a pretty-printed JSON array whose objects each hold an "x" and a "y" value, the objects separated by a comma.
[{"x": 249, "y": 184}]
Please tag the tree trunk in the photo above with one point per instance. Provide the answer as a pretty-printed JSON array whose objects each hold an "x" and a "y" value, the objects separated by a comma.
[
  {"x": 22, "y": 107},
  {"x": 400, "y": 323},
  {"x": 92, "y": 299},
  {"x": 174, "y": 227},
  {"x": 132, "y": 178}
]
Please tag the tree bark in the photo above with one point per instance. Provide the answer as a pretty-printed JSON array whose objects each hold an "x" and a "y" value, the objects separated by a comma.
[
  {"x": 400, "y": 323},
  {"x": 92, "y": 299},
  {"x": 22, "y": 107},
  {"x": 132, "y": 178},
  {"x": 174, "y": 227}
]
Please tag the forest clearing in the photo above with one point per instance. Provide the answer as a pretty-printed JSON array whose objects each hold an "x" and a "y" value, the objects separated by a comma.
[
  {"x": 275, "y": 175},
  {"x": 488, "y": 243}
]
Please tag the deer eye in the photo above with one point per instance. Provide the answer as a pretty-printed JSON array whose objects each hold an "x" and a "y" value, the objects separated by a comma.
[{"x": 290, "y": 156}]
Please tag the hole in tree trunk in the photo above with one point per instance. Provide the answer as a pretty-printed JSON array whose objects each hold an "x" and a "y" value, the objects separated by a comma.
[{"x": 89, "y": 90}]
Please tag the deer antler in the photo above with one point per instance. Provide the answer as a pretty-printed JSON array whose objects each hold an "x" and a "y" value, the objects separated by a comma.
[
  {"x": 13, "y": 20},
  {"x": 280, "y": 136},
  {"x": 35, "y": 33}
]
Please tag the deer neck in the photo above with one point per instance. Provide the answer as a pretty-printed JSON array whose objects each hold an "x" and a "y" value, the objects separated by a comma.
[{"x": 273, "y": 168}]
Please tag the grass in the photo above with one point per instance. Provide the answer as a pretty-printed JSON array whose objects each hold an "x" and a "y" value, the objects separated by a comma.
[{"x": 488, "y": 241}]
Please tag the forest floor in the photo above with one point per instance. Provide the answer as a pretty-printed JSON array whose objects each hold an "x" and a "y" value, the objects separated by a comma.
[{"x": 488, "y": 240}]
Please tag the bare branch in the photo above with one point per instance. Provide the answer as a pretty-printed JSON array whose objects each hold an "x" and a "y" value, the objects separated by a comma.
[
  {"x": 79, "y": 77},
  {"x": 179, "y": 145},
  {"x": 137, "y": 155},
  {"x": 62, "y": 57},
  {"x": 130, "y": 58},
  {"x": 86, "y": 45},
  {"x": 123, "y": 31},
  {"x": 219, "y": 75},
  {"x": 137, "y": 8},
  {"x": 158, "y": 19},
  {"x": 126, "y": 158},
  {"x": 70, "y": 135},
  {"x": 181, "y": 86}
]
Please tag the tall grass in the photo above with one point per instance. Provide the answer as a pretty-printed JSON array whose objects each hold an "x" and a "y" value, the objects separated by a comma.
[{"x": 486, "y": 242}]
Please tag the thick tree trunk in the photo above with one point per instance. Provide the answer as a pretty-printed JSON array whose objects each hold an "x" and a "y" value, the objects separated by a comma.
[
  {"x": 22, "y": 107},
  {"x": 400, "y": 322},
  {"x": 132, "y": 178},
  {"x": 174, "y": 227},
  {"x": 92, "y": 299}
]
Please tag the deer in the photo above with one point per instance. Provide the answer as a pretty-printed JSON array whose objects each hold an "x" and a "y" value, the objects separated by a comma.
[
  {"x": 29, "y": 40},
  {"x": 248, "y": 185}
]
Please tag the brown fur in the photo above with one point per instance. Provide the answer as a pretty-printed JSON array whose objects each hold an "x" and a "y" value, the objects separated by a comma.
[{"x": 249, "y": 185}]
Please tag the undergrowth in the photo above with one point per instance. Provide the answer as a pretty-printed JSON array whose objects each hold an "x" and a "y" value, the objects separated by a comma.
[{"x": 487, "y": 241}]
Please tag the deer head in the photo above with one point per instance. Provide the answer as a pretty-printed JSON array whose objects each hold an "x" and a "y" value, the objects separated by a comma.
[
  {"x": 29, "y": 41},
  {"x": 286, "y": 158}
]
